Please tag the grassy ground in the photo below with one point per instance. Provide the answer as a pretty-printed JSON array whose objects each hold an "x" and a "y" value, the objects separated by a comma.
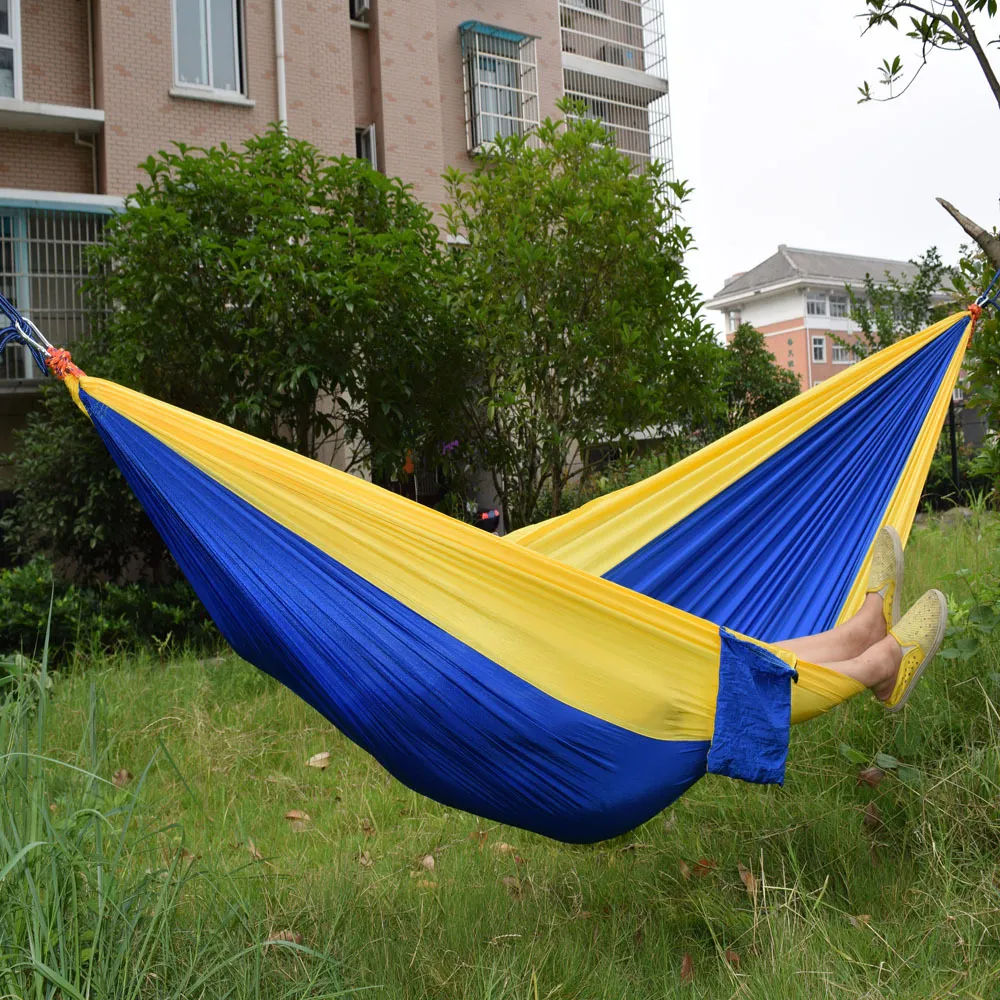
[{"x": 852, "y": 891}]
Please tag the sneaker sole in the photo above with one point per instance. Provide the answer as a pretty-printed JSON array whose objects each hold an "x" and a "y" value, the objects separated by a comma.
[{"x": 931, "y": 653}]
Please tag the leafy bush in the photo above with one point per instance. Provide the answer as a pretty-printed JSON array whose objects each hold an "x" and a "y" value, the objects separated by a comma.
[
  {"x": 974, "y": 481},
  {"x": 616, "y": 475},
  {"x": 99, "y": 618}
]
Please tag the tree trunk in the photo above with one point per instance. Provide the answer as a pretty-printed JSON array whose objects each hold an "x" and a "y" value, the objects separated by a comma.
[
  {"x": 557, "y": 485},
  {"x": 989, "y": 243}
]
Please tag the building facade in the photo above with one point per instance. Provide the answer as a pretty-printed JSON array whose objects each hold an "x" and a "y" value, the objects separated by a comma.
[
  {"x": 798, "y": 300},
  {"x": 91, "y": 88}
]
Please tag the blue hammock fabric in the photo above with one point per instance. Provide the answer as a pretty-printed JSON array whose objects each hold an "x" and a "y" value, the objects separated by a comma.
[{"x": 593, "y": 684}]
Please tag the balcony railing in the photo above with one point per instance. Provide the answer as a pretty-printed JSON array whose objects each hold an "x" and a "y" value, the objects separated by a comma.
[
  {"x": 42, "y": 270},
  {"x": 638, "y": 118},
  {"x": 629, "y": 33}
]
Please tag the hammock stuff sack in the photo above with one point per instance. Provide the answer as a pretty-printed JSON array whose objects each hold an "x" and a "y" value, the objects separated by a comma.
[{"x": 593, "y": 685}]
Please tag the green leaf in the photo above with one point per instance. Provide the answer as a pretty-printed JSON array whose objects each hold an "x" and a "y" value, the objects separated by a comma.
[
  {"x": 851, "y": 755},
  {"x": 886, "y": 761}
]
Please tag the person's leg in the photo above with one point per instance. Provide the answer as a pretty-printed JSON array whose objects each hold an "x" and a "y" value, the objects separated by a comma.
[
  {"x": 875, "y": 667},
  {"x": 845, "y": 642}
]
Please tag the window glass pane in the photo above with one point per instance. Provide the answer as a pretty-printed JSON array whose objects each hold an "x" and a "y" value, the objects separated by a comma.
[
  {"x": 192, "y": 61},
  {"x": 4, "y": 17},
  {"x": 224, "y": 65},
  {"x": 6, "y": 72}
]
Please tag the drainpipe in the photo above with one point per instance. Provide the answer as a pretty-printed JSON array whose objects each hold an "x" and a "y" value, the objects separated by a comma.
[{"x": 279, "y": 64}]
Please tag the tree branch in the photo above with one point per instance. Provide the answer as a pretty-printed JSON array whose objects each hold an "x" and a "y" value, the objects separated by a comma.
[
  {"x": 989, "y": 243},
  {"x": 984, "y": 63}
]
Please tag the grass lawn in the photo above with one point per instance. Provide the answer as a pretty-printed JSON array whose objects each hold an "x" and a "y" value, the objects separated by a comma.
[{"x": 828, "y": 887}]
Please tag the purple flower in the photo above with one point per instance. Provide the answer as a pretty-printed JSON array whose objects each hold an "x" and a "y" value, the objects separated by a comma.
[{"x": 447, "y": 449}]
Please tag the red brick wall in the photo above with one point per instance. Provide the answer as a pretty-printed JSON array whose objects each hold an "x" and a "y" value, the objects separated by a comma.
[
  {"x": 42, "y": 161},
  {"x": 530, "y": 17},
  {"x": 361, "y": 66},
  {"x": 54, "y": 52},
  {"x": 134, "y": 49}
]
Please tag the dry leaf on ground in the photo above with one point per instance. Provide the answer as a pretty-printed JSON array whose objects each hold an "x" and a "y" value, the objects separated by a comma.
[
  {"x": 254, "y": 853},
  {"x": 480, "y": 836},
  {"x": 366, "y": 826},
  {"x": 512, "y": 885},
  {"x": 871, "y": 776},
  {"x": 873, "y": 816},
  {"x": 687, "y": 968},
  {"x": 748, "y": 879},
  {"x": 320, "y": 760},
  {"x": 704, "y": 866},
  {"x": 684, "y": 870},
  {"x": 733, "y": 959},
  {"x": 861, "y": 920},
  {"x": 121, "y": 777},
  {"x": 365, "y": 860},
  {"x": 427, "y": 862},
  {"x": 298, "y": 819},
  {"x": 504, "y": 848},
  {"x": 292, "y": 937}
]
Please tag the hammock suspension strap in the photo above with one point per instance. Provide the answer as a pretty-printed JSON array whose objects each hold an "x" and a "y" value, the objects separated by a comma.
[{"x": 49, "y": 359}]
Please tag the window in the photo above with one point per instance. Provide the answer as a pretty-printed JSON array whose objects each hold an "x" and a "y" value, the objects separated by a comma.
[
  {"x": 733, "y": 319},
  {"x": 42, "y": 269},
  {"x": 588, "y": 4},
  {"x": 815, "y": 304},
  {"x": 819, "y": 349},
  {"x": 957, "y": 394},
  {"x": 839, "y": 305},
  {"x": 208, "y": 45},
  {"x": 10, "y": 49},
  {"x": 364, "y": 145},
  {"x": 843, "y": 355},
  {"x": 501, "y": 87},
  {"x": 360, "y": 9}
]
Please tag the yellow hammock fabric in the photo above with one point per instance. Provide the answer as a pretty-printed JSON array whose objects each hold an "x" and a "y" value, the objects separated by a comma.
[{"x": 571, "y": 678}]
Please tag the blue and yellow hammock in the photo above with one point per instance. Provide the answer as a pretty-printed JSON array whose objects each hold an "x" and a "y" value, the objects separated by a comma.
[{"x": 571, "y": 678}]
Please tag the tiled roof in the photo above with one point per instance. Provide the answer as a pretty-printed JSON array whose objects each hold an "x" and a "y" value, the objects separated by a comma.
[{"x": 790, "y": 264}]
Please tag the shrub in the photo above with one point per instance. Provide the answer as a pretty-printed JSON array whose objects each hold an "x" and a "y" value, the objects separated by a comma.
[
  {"x": 96, "y": 619},
  {"x": 939, "y": 490}
]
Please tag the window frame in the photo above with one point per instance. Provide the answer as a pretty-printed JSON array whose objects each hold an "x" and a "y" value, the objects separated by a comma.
[
  {"x": 513, "y": 106},
  {"x": 818, "y": 340},
  {"x": 850, "y": 358},
  {"x": 239, "y": 48},
  {"x": 12, "y": 41},
  {"x": 842, "y": 301},
  {"x": 362, "y": 134},
  {"x": 815, "y": 298}
]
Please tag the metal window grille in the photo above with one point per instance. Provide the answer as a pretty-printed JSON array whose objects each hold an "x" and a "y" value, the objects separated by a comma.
[
  {"x": 42, "y": 269},
  {"x": 843, "y": 355},
  {"x": 638, "y": 118},
  {"x": 501, "y": 84},
  {"x": 628, "y": 33}
]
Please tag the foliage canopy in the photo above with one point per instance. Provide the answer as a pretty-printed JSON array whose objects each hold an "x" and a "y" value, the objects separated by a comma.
[{"x": 583, "y": 326}]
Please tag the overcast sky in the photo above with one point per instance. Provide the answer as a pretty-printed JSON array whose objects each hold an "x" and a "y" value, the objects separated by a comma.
[{"x": 768, "y": 131}]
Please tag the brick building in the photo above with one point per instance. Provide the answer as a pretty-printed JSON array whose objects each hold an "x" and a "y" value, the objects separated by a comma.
[
  {"x": 90, "y": 88},
  {"x": 798, "y": 300}
]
